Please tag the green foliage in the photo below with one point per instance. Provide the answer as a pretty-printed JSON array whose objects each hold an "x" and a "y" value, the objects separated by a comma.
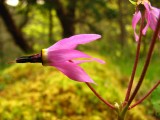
[
  {"x": 38, "y": 29},
  {"x": 31, "y": 92},
  {"x": 155, "y": 103},
  {"x": 133, "y": 2}
]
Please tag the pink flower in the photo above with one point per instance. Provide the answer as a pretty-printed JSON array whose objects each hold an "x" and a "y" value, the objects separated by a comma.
[
  {"x": 151, "y": 16},
  {"x": 63, "y": 56}
]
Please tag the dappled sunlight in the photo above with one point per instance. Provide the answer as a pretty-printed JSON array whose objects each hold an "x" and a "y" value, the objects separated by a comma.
[{"x": 12, "y": 2}]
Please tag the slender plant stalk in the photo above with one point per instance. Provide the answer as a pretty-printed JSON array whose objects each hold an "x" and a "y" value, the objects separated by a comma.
[
  {"x": 122, "y": 113},
  {"x": 106, "y": 102},
  {"x": 153, "y": 41},
  {"x": 135, "y": 63},
  {"x": 144, "y": 97}
]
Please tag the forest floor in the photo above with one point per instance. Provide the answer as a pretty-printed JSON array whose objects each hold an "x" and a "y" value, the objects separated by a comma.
[{"x": 33, "y": 92}]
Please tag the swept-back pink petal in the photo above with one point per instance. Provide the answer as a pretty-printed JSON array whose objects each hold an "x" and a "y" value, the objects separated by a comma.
[
  {"x": 135, "y": 20},
  {"x": 153, "y": 22},
  {"x": 99, "y": 60},
  {"x": 80, "y": 61},
  {"x": 147, "y": 6},
  {"x": 91, "y": 60},
  {"x": 147, "y": 16},
  {"x": 151, "y": 19},
  {"x": 73, "y": 71},
  {"x": 155, "y": 11},
  {"x": 153, "y": 14},
  {"x": 73, "y": 41},
  {"x": 63, "y": 55},
  {"x": 154, "y": 18}
]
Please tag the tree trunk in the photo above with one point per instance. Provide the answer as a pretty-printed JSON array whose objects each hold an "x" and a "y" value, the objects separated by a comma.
[
  {"x": 66, "y": 16},
  {"x": 121, "y": 24},
  {"x": 1, "y": 54},
  {"x": 14, "y": 31},
  {"x": 50, "y": 27}
]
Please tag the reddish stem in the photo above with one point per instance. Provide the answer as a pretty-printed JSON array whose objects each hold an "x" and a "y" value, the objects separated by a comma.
[
  {"x": 135, "y": 63},
  {"x": 144, "y": 97},
  {"x": 153, "y": 41},
  {"x": 105, "y": 102}
]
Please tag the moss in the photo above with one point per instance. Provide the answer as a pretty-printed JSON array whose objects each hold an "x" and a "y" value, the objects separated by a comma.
[{"x": 34, "y": 92}]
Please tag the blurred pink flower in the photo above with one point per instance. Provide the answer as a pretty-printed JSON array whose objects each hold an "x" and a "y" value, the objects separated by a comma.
[
  {"x": 63, "y": 55},
  {"x": 151, "y": 15}
]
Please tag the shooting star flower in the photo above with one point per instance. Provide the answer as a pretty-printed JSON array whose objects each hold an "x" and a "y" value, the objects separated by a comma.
[
  {"x": 150, "y": 13},
  {"x": 64, "y": 56}
]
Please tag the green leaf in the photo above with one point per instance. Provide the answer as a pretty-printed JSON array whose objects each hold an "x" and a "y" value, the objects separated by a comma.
[{"x": 134, "y": 3}]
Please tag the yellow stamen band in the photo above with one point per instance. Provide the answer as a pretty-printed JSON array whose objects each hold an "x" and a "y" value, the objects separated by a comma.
[{"x": 44, "y": 53}]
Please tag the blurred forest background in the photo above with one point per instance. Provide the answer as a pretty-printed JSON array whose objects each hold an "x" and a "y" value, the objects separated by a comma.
[{"x": 34, "y": 92}]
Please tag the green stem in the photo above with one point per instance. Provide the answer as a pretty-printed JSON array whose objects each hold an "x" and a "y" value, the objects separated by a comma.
[
  {"x": 122, "y": 113},
  {"x": 120, "y": 117}
]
